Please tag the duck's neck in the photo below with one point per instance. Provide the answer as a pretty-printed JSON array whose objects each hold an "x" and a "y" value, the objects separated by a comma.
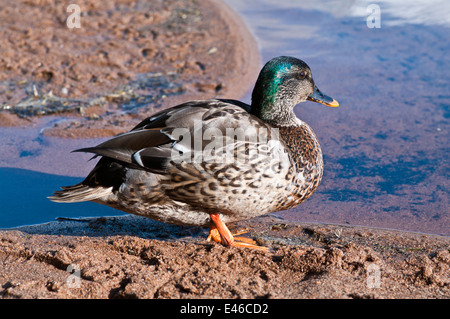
[
  {"x": 276, "y": 112},
  {"x": 273, "y": 103}
]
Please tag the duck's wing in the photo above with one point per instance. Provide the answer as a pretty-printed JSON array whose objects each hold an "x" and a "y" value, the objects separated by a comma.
[{"x": 152, "y": 143}]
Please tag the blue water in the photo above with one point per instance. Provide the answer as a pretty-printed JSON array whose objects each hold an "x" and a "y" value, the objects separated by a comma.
[
  {"x": 386, "y": 148},
  {"x": 23, "y": 198}
]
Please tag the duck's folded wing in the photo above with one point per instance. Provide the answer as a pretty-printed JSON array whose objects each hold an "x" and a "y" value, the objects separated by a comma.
[
  {"x": 153, "y": 142},
  {"x": 123, "y": 147}
]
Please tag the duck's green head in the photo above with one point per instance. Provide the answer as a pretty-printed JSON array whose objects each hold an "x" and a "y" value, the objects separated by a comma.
[{"x": 283, "y": 83}]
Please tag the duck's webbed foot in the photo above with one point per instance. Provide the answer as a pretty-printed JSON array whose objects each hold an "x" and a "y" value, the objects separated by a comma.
[{"x": 221, "y": 234}]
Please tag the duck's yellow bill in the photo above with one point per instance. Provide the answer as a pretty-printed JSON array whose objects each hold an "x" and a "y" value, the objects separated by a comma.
[{"x": 321, "y": 98}]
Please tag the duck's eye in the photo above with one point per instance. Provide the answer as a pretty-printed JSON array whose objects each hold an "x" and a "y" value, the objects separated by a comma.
[{"x": 302, "y": 75}]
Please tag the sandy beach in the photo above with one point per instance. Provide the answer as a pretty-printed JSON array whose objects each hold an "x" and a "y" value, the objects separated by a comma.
[{"x": 204, "y": 50}]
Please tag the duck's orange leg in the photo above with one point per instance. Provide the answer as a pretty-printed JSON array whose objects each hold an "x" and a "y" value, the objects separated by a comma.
[
  {"x": 221, "y": 234},
  {"x": 214, "y": 235}
]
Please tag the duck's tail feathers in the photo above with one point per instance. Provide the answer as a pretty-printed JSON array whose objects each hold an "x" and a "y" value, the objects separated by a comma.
[{"x": 79, "y": 193}]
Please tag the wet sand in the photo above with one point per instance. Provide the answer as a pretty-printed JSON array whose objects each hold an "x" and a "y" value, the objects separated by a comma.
[{"x": 132, "y": 257}]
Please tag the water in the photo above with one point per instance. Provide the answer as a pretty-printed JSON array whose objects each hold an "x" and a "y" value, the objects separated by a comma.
[
  {"x": 32, "y": 167},
  {"x": 24, "y": 201},
  {"x": 385, "y": 148}
]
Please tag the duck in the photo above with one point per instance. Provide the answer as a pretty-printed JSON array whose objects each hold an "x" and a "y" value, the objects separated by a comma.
[{"x": 212, "y": 162}]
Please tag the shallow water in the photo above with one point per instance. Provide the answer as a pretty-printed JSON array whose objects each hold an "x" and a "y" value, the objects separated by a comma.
[
  {"x": 385, "y": 148},
  {"x": 24, "y": 192}
]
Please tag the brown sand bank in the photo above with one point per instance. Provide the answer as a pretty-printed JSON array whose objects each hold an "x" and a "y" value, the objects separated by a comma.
[
  {"x": 134, "y": 257},
  {"x": 127, "y": 58}
]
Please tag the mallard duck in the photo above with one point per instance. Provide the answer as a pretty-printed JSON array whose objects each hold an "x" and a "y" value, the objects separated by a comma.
[{"x": 212, "y": 162}]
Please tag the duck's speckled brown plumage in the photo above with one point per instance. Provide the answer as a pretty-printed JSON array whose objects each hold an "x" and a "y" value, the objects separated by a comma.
[
  {"x": 158, "y": 172},
  {"x": 306, "y": 156}
]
